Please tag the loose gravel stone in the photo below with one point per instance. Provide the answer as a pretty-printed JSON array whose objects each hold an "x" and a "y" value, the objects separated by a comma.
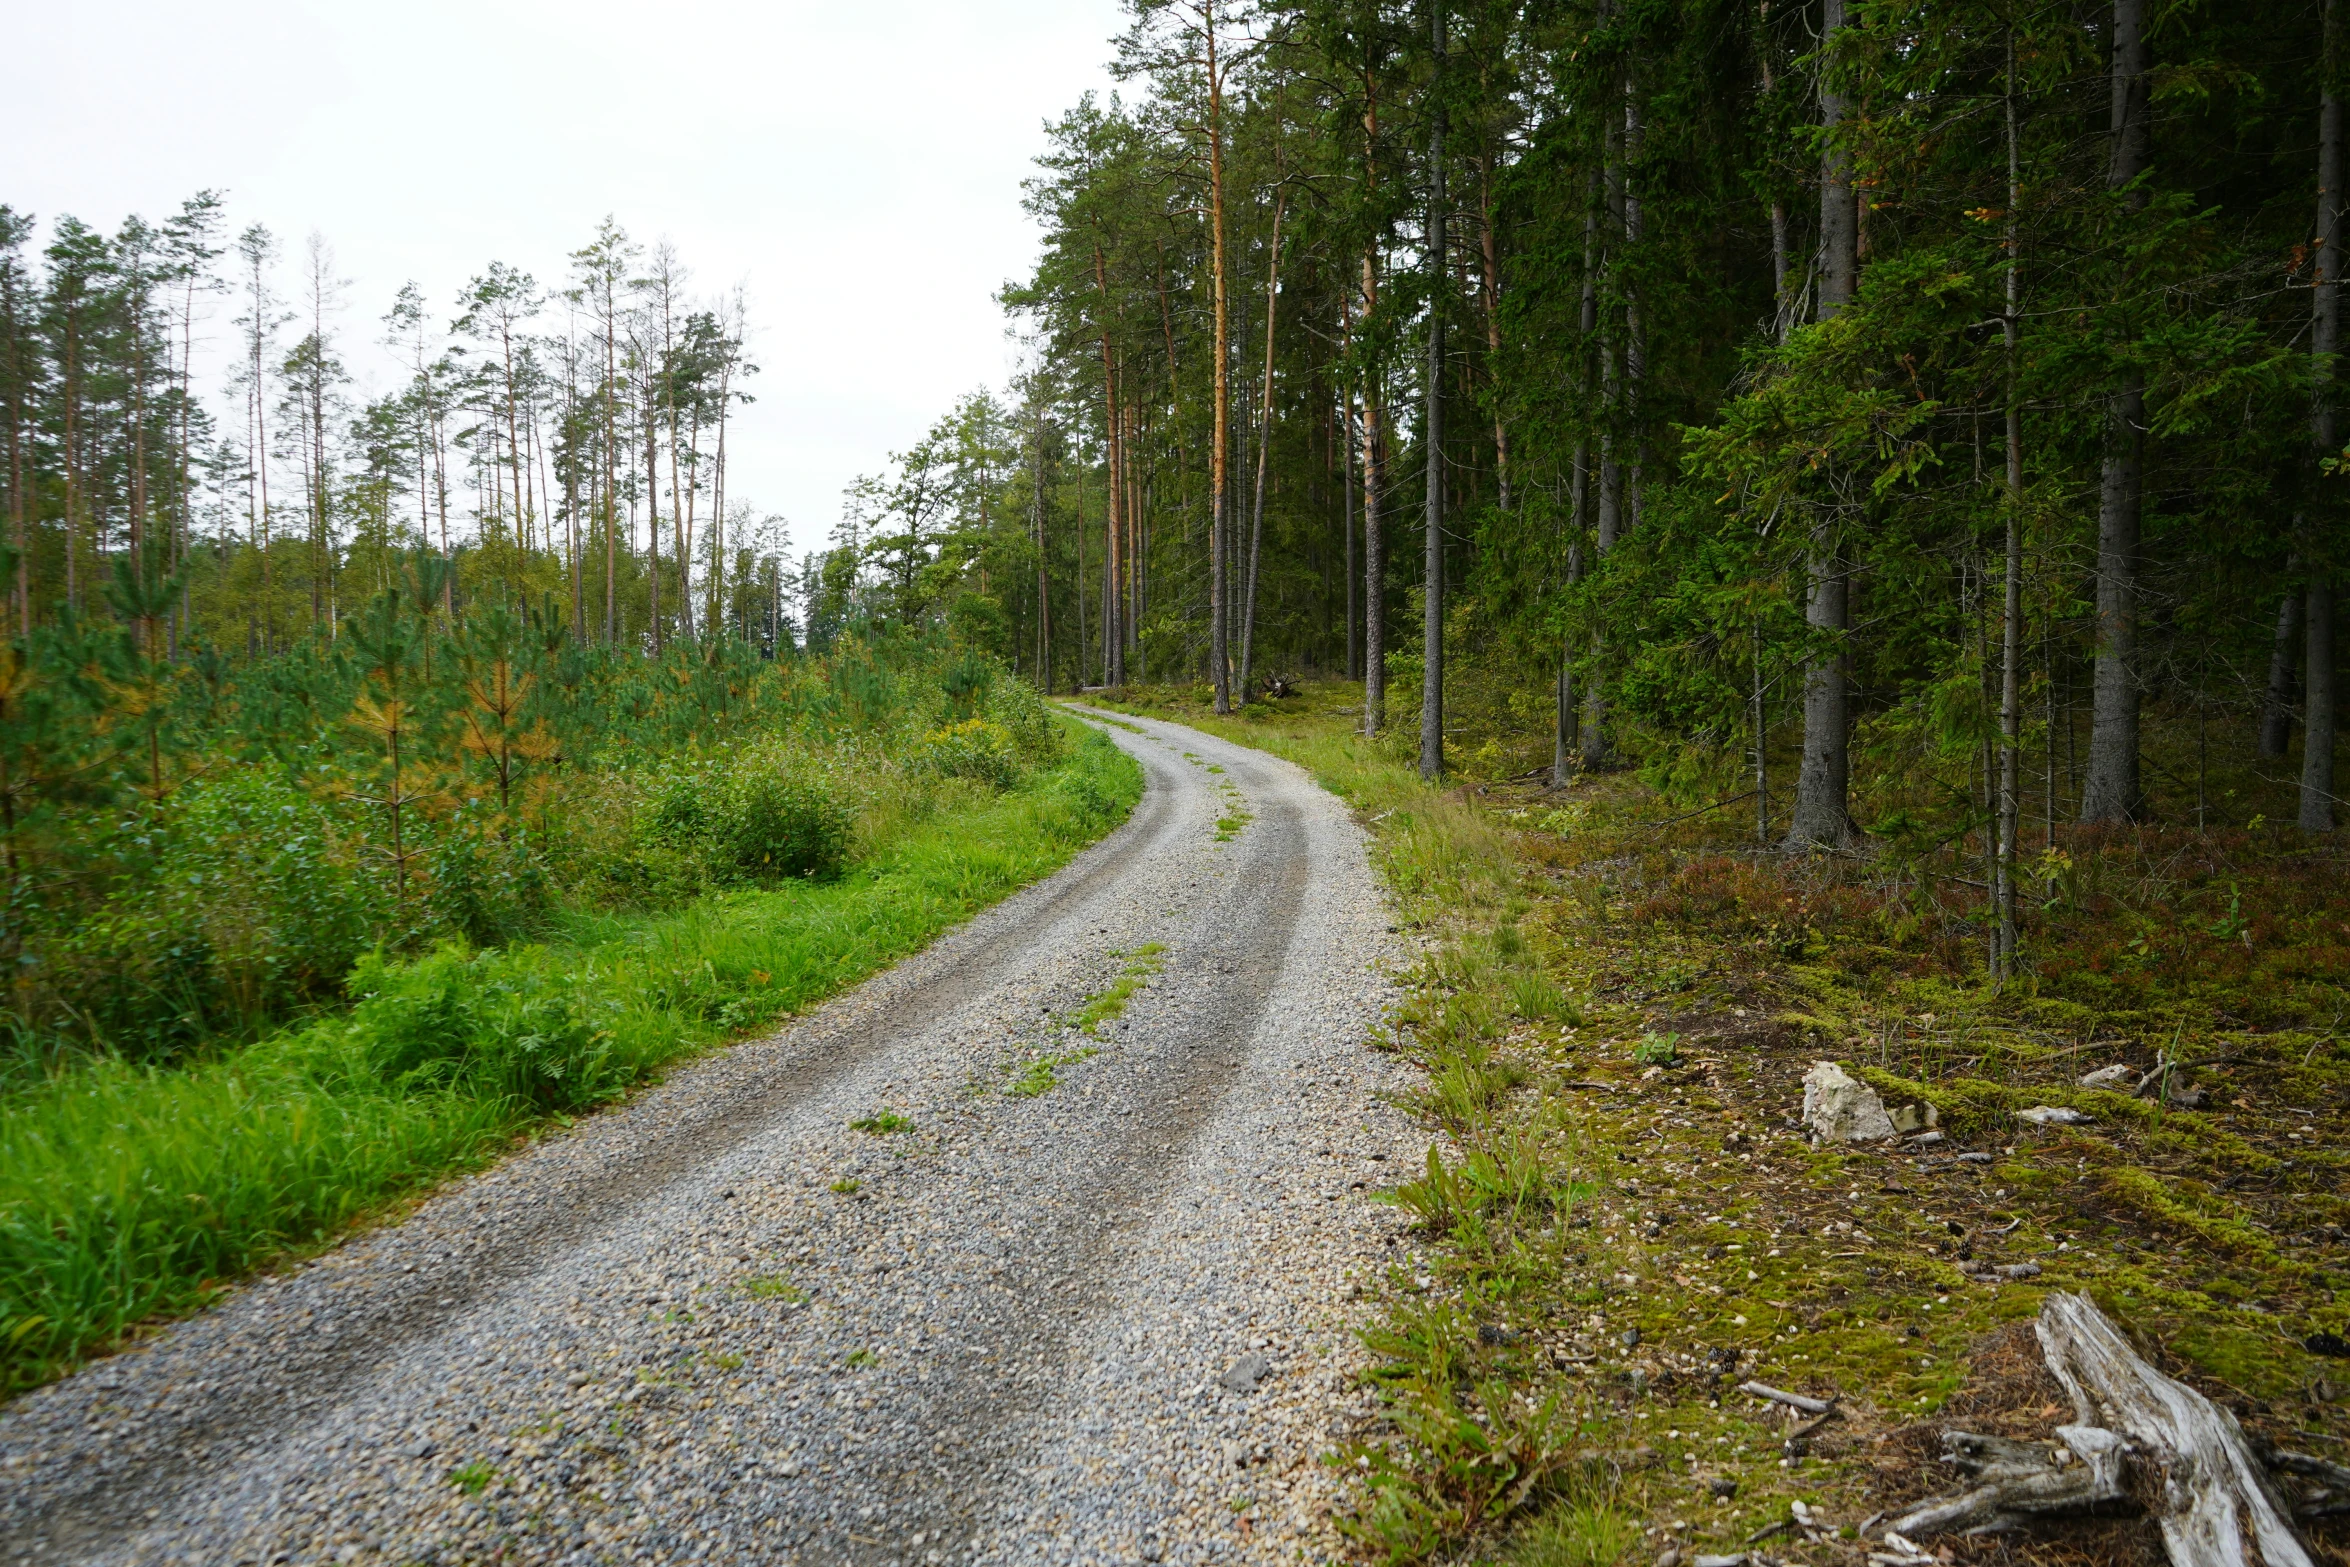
[{"x": 720, "y": 1324}]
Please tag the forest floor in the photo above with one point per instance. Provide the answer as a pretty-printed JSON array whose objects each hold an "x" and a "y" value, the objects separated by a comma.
[{"x": 1614, "y": 1004}]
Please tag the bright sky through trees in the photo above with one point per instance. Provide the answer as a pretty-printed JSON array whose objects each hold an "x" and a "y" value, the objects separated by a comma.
[{"x": 857, "y": 168}]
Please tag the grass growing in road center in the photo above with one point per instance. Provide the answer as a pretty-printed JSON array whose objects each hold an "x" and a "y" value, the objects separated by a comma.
[{"x": 128, "y": 1194}]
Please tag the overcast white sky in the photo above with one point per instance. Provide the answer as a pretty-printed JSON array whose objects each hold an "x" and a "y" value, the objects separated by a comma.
[{"x": 856, "y": 166}]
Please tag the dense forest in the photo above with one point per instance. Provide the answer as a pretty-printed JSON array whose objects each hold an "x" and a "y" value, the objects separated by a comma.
[{"x": 1932, "y": 396}]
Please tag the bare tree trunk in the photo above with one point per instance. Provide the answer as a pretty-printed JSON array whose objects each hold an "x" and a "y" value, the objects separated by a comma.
[
  {"x": 1219, "y": 458},
  {"x": 1044, "y": 621},
  {"x": 2011, "y": 632},
  {"x": 1346, "y": 462},
  {"x": 2276, "y": 708},
  {"x": 1256, "y": 527},
  {"x": 611, "y": 469},
  {"x": 1566, "y": 733},
  {"x": 1635, "y": 323},
  {"x": 2112, "y": 792},
  {"x": 652, "y": 514},
  {"x": 1822, "y": 786},
  {"x": 1491, "y": 259},
  {"x": 1610, "y": 518},
  {"x": 2317, "y": 719},
  {"x": 1374, "y": 539},
  {"x": 1432, "y": 434}
]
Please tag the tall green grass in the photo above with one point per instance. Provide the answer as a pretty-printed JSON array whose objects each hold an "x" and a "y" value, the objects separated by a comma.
[{"x": 130, "y": 1194}]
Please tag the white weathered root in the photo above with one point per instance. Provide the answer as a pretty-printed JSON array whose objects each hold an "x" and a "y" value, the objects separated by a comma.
[
  {"x": 2213, "y": 1500},
  {"x": 2017, "y": 1481}
]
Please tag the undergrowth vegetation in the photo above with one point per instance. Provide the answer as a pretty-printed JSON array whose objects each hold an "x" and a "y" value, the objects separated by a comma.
[
  {"x": 300, "y": 983},
  {"x": 1615, "y": 1001}
]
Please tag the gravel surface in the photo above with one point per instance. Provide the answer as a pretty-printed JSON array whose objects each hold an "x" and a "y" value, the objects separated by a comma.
[{"x": 1096, "y": 1303}]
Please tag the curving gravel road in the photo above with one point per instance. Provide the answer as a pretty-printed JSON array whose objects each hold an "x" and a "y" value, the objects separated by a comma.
[{"x": 1087, "y": 1308}]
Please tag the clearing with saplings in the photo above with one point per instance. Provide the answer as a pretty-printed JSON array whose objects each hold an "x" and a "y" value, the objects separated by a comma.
[{"x": 1594, "y": 824}]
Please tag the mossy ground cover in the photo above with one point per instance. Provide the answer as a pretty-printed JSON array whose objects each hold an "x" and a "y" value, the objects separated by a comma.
[
  {"x": 1615, "y": 1002},
  {"x": 131, "y": 1192}
]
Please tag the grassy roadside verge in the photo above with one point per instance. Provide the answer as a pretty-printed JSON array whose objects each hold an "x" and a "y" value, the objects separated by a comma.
[
  {"x": 129, "y": 1195},
  {"x": 1614, "y": 1009}
]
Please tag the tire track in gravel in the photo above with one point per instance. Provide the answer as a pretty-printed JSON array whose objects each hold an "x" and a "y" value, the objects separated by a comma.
[{"x": 667, "y": 1336}]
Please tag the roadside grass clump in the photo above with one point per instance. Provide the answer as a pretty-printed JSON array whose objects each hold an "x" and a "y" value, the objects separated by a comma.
[
  {"x": 130, "y": 1192},
  {"x": 847, "y": 1186},
  {"x": 978, "y": 749},
  {"x": 887, "y": 1123}
]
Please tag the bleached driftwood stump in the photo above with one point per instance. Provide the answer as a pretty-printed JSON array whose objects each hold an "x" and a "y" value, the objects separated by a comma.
[{"x": 2212, "y": 1498}]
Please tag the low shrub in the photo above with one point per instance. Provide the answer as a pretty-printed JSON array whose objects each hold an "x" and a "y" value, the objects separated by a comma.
[
  {"x": 250, "y": 906},
  {"x": 492, "y": 1025},
  {"x": 772, "y": 820},
  {"x": 758, "y": 816},
  {"x": 979, "y": 749},
  {"x": 1036, "y": 735}
]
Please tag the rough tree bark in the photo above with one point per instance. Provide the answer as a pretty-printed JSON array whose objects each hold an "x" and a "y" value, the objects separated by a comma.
[
  {"x": 2111, "y": 792},
  {"x": 1113, "y": 641},
  {"x": 1432, "y": 433},
  {"x": 2276, "y": 707},
  {"x": 1608, "y": 523},
  {"x": 1374, "y": 471},
  {"x": 1219, "y": 640},
  {"x": 2210, "y": 1494},
  {"x": 1256, "y": 525},
  {"x": 1822, "y": 807},
  {"x": 2011, "y": 625},
  {"x": 2317, "y": 720},
  {"x": 1564, "y": 731}
]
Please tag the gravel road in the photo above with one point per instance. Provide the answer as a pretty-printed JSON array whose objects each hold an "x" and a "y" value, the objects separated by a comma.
[{"x": 1095, "y": 1304}]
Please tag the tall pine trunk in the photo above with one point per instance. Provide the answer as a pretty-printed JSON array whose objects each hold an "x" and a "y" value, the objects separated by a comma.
[
  {"x": 2011, "y": 627},
  {"x": 1256, "y": 526},
  {"x": 1219, "y": 457},
  {"x": 1432, "y": 433},
  {"x": 2317, "y": 724},
  {"x": 1565, "y": 734},
  {"x": 1044, "y": 616},
  {"x": 1822, "y": 787},
  {"x": 1609, "y": 519},
  {"x": 1113, "y": 644},
  {"x": 2111, "y": 790},
  {"x": 2276, "y": 707}
]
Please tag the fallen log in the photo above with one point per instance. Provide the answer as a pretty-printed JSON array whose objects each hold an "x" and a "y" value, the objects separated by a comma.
[{"x": 2211, "y": 1497}]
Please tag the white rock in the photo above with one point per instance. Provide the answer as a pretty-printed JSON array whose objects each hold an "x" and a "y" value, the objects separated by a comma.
[
  {"x": 2054, "y": 1115},
  {"x": 1841, "y": 1110}
]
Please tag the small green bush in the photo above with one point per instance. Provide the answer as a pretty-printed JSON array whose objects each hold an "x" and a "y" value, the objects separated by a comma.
[
  {"x": 771, "y": 821},
  {"x": 253, "y": 907},
  {"x": 489, "y": 1024},
  {"x": 759, "y": 816},
  {"x": 1036, "y": 734},
  {"x": 979, "y": 749}
]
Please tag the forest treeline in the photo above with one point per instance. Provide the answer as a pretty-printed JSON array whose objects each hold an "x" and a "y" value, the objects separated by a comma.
[
  {"x": 560, "y": 441},
  {"x": 1936, "y": 392},
  {"x": 1928, "y": 399}
]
